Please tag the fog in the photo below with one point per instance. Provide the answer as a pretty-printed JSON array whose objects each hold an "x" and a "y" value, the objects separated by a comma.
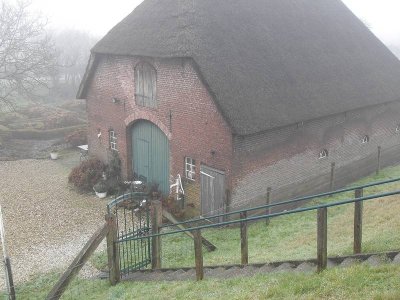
[{"x": 98, "y": 17}]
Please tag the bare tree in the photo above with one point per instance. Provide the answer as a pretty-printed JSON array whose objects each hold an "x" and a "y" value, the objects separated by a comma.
[
  {"x": 73, "y": 51},
  {"x": 27, "y": 55}
]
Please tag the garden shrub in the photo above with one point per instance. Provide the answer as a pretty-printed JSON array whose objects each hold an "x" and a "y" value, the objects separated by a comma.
[
  {"x": 75, "y": 105},
  {"x": 113, "y": 172},
  {"x": 59, "y": 119},
  {"x": 36, "y": 111},
  {"x": 76, "y": 138},
  {"x": 43, "y": 134},
  {"x": 4, "y": 128},
  {"x": 87, "y": 174}
]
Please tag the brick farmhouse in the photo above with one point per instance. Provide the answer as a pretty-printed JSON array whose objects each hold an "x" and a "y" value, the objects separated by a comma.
[{"x": 238, "y": 96}]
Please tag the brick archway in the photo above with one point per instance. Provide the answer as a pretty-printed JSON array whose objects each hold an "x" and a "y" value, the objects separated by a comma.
[{"x": 148, "y": 116}]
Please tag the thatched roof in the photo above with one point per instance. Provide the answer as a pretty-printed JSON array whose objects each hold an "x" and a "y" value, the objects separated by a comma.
[{"x": 268, "y": 63}]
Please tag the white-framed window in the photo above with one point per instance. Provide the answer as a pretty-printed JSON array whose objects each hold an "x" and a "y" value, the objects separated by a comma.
[
  {"x": 190, "y": 168},
  {"x": 323, "y": 154},
  {"x": 113, "y": 140},
  {"x": 365, "y": 139}
]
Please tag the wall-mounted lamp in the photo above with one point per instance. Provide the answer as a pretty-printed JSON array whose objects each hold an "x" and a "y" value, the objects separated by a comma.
[
  {"x": 98, "y": 133},
  {"x": 115, "y": 100}
]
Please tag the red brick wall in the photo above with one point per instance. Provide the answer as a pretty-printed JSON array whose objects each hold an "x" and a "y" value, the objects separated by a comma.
[
  {"x": 195, "y": 129},
  {"x": 287, "y": 159}
]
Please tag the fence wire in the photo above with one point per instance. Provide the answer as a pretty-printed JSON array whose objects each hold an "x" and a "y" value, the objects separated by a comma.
[{"x": 177, "y": 251}]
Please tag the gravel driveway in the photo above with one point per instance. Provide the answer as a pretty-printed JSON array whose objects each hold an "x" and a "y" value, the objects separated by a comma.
[{"x": 46, "y": 222}]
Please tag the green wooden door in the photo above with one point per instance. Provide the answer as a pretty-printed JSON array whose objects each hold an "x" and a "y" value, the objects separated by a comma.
[{"x": 150, "y": 150}]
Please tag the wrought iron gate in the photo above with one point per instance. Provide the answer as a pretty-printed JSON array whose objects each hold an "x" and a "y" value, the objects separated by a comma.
[{"x": 132, "y": 213}]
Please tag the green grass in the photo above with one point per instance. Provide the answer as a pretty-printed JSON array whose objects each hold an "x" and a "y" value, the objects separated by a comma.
[
  {"x": 289, "y": 237},
  {"x": 356, "y": 282},
  {"x": 293, "y": 237}
]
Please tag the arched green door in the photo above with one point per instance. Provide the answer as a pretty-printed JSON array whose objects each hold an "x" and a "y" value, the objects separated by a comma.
[{"x": 150, "y": 150}]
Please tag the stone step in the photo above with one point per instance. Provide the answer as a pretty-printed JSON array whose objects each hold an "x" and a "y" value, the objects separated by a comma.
[
  {"x": 250, "y": 270},
  {"x": 306, "y": 267}
]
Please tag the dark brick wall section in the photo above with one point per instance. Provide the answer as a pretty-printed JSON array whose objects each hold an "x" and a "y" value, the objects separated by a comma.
[
  {"x": 286, "y": 159},
  {"x": 185, "y": 112}
]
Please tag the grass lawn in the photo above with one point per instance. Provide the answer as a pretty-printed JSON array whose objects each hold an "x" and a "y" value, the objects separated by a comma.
[
  {"x": 293, "y": 237},
  {"x": 356, "y": 282},
  {"x": 286, "y": 238}
]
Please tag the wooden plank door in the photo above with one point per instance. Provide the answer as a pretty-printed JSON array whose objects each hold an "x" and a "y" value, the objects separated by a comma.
[{"x": 212, "y": 191}]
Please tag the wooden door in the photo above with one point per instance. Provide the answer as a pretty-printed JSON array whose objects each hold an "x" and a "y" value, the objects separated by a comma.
[
  {"x": 150, "y": 155},
  {"x": 212, "y": 191}
]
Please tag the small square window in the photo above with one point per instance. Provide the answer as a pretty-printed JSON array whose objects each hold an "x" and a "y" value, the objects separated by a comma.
[
  {"x": 365, "y": 139},
  {"x": 113, "y": 140},
  {"x": 190, "y": 168},
  {"x": 323, "y": 154}
]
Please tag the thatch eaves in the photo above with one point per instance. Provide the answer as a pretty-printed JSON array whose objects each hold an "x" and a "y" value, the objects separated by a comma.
[{"x": 268, "y": 63}]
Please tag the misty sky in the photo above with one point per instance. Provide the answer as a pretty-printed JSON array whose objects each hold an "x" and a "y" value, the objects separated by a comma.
[{"x": 98, "y": 17}]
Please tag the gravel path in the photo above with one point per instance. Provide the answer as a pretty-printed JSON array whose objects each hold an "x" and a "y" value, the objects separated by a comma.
[{"x": 46, "y": 222}]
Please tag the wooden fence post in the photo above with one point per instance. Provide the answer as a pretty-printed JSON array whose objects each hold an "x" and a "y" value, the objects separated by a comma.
[
  {"x": 332, "y": 178},
  {"x": 156, "y": 222},
  {"x": 9, "y": 279},
  {"x": 244, "y": 246},
  {"x": 322, "y": 234},
  {"x": 268, "y": 202},
  {"x": 79, "y": 261},
  {"x": 113, "y": 249},
  {"x": 198, "y": 255},
  {"x": 378, "y": 167},
  {"x": 358, "y": 215}
]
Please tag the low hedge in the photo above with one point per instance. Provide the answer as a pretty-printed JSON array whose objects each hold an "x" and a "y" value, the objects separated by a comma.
[{"x": 44, "y": 134}]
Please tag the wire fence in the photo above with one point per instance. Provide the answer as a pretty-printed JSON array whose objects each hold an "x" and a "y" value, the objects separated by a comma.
[
  {"x": 177, "y": 251},
  {"x": 299, "y": 236}
]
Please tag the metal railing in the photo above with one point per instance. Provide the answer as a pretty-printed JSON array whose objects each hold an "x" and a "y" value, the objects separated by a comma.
[
  {"x": 244, "y": 219},
  {"x": 281, "y": 203}
]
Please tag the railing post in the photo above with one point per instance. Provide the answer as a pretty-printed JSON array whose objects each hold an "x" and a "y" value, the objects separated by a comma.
[
  {"x": 156, "y": 222},
  {"x": 358, "y": 214},
  {"x": 113, "y": 249},
  {"x": 332, "y": 178},
  {"x": 244, "y": 246},
  {"x": 322, "y": 233},
  {"x": 9, "y": 279},
  {"x": 268, "y": 202},
  {"x": 378, "y": 167},
  {"x": 198, "y": 255}
]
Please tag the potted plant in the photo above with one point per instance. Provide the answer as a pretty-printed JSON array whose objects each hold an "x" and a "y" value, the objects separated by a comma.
[
  {"x": 54, "y": 153},
  {"x": 100, "y": 189}
]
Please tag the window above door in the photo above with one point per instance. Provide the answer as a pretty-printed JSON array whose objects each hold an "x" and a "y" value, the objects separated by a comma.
[{"x": 145, "y": 85}]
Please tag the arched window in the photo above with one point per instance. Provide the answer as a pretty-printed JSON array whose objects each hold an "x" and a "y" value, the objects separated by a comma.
[
  {"x": 145, "y": 85},
  {"x": 323, "y": 154},
  {"x": 365, "y": 139}
]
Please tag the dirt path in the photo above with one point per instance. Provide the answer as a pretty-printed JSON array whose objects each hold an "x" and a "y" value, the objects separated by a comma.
[{"x": 46, "y": 222}]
